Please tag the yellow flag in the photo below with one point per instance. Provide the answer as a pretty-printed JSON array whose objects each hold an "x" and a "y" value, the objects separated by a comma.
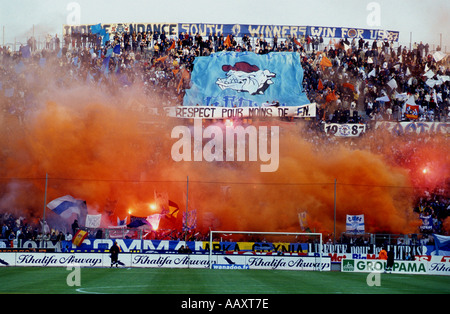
[{"x": 79, "y": 237}]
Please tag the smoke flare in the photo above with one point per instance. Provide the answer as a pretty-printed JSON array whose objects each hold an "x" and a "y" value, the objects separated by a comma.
[{"x": 108, "y": 149}]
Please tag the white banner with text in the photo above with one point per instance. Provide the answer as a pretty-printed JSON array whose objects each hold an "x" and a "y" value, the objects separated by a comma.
[
  {"x": 432, "y": 265},
  {"x": 211, "y": 112},
  {"x": 166, "y": 261}
]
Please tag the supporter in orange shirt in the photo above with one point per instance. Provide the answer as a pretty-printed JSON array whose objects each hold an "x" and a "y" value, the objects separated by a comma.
[{"x": 382, "y": 254}]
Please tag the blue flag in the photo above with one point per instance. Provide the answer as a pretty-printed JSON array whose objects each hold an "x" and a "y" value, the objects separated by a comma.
[
  {"x": 121, "y": 222},
  {"x": 66, "y": 205},
  {"x": 246, "y": 79},
  {"x": 105, "y": 39},
  {"x": 442, "y": 244},
  {"x": 137, "y": 222},
  {"x": 95, "y": 29},
  {"x": 117, "y": 49}
]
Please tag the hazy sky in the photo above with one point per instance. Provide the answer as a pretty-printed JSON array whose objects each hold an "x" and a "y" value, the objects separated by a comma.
[{"x": 426, "y": 19}]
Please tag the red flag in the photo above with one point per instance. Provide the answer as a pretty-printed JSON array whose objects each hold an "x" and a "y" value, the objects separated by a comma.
[
  {"x": 172, "y": 46},
  {"x": 297, "y": 42},
  {"x": 173, "y": 209},
  {"x": 348, "y": 85},
  {"x": 162, "y": 59},
  {"x": 331, "y": 96},
  {"x": 79, "y": 237},
  {"x": 325, "y": 62},
  {"x": 411, "y": 109},
  {"x": 320, "y": 85},
  {"x": 227, "y": 42}
]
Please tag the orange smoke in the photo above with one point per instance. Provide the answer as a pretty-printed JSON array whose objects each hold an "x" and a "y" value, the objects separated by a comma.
[
  {"x": 106, "y": 148},
  {"x": 304, "y": 182}
]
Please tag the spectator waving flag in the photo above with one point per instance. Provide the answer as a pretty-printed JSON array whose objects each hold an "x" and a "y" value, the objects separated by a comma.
[
  {"x": 154, "y": 220},
  {"x": 355, "y": 223},
  {"x": 93, "y": 221},
  {"x": 122, "y": 222},
  {"x": 79, "y": 237},
  {"x": 325, "y": 62},
  {"x": 442, "y": 244},
  {"x": 95, "y": 29},
  {"x": 105, "y": 38},
  {"x": 137, "y": 222},
  {"x": 227, "y": 42},
  {"x": 173, "y": 209},
  {"x": 411, "y": 109},
  {"x": 246, "y": 79},
  {"x": 438, "y": 56},
  {"x": 66, "y": 206}
]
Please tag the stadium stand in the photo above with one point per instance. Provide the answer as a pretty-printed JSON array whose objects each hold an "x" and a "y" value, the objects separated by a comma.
[{"x": 352, "y": 87}]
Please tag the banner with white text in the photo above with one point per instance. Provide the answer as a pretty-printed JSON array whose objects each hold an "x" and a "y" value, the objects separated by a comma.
[
  {"x": 436, "y": 266},
  {"x": 166, "y": 261},
  {"x": 345, "y": 130},
  {"x": 239, "y": 30},
  {"x": 210, "y": 112}
]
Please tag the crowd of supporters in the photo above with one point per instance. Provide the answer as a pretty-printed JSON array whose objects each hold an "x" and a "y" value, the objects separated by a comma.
[
  {"x": 18, "y": 229},
  {"x": 372, "y": 78},
  {"x": 351, "y": 81}
]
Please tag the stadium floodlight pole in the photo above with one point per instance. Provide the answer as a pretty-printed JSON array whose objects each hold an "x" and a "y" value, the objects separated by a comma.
[
  {"x": 410, "y": 40},
  {"x": 334, "y": 234},
  {"x": 45, "y": 194}
]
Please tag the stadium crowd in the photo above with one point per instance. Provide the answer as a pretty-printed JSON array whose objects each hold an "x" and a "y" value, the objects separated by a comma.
[{"x": 351, "y": 81}]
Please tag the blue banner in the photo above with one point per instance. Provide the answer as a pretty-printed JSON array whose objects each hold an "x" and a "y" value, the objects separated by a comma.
[
  {"x": 246, "y": 79},
  {"x": 92, "y": 245},
  {"x": 238, "y": 30},
  {"x": 284, "y": 31}
]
